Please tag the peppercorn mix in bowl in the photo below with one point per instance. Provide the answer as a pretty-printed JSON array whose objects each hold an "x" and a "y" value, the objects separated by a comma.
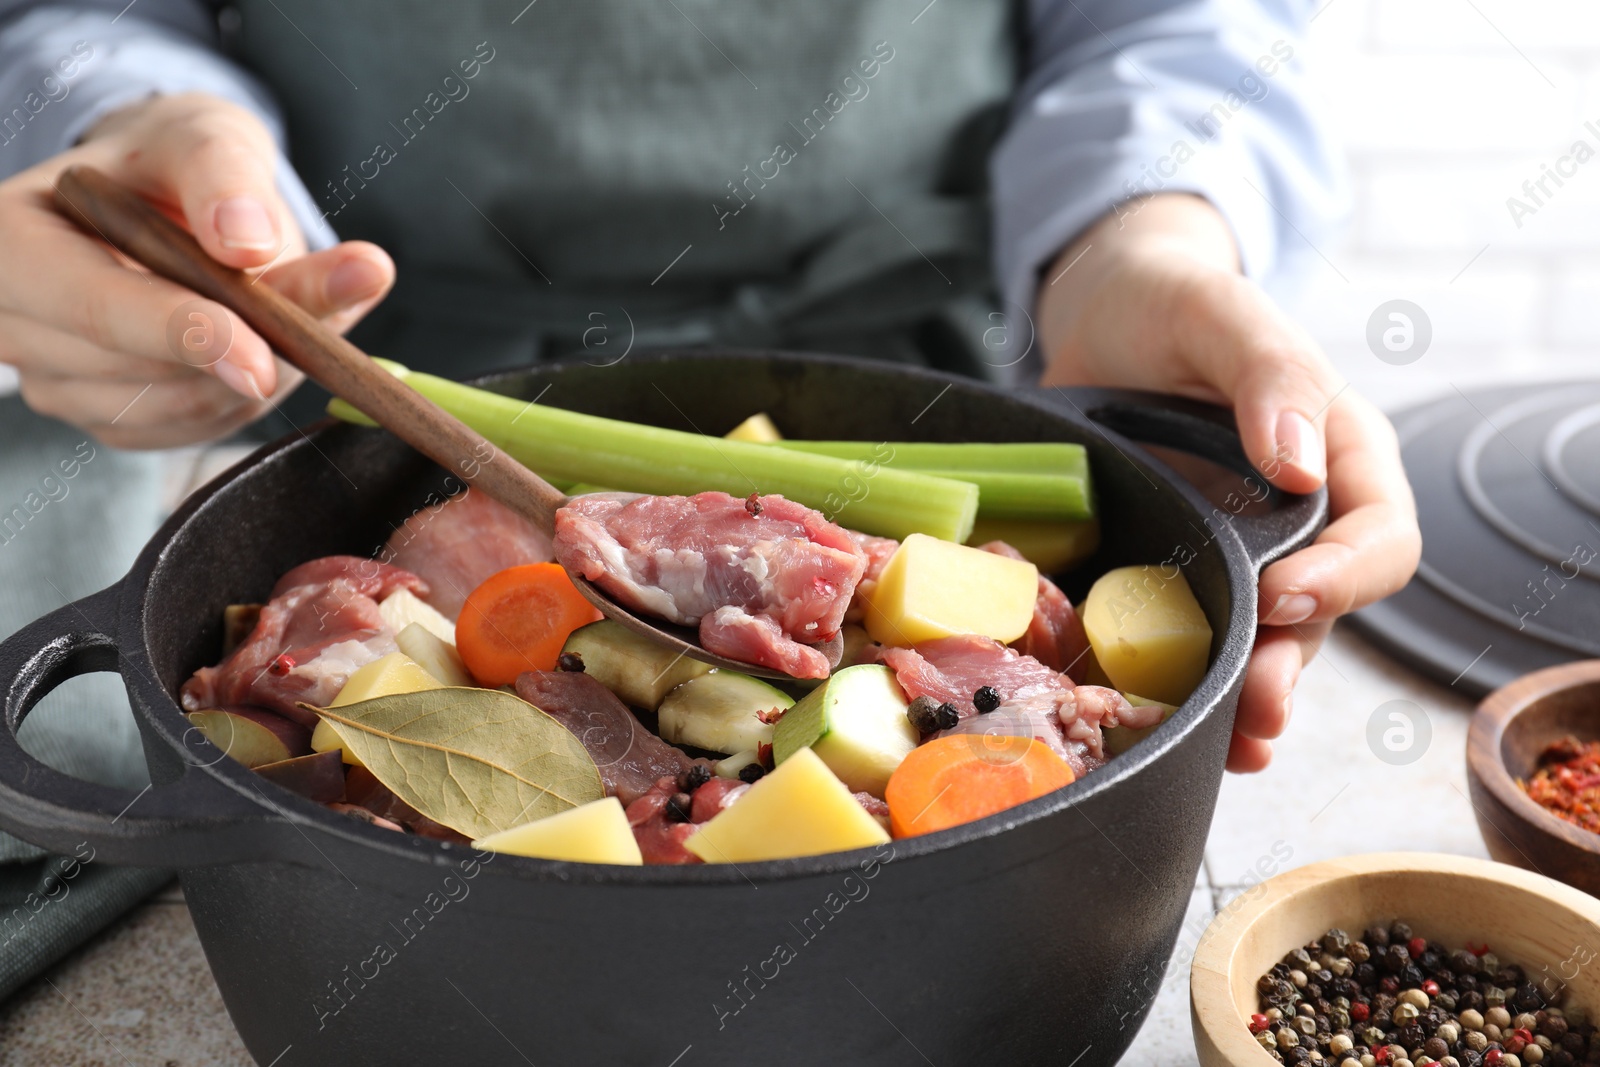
[
  {"x": 1400, "y": 958},
  {"x": 1526, "y": 770}
]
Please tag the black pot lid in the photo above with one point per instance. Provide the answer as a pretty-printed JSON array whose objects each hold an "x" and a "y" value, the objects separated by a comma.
[{"x": 1508, "y": 497}]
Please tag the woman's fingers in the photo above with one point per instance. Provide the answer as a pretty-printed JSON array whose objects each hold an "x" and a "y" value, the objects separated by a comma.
[
  {"x": 215, "y": 163},
  {"x": 1372, "y": 546},
  {"x": 1280, "y": 385},
  {"x": 76, "y": 284},
  {"x": 338, "y": 285},
  {"x": 157, "y": 414}
]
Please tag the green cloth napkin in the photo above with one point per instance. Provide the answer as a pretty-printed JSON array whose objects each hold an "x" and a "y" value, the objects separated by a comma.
[{"x": 73, "y": 516}]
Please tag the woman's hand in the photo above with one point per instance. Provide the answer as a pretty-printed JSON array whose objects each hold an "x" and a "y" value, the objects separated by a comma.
[
  {"x": 1156, "y": 302},
  {"x": 111, "y": 348}
]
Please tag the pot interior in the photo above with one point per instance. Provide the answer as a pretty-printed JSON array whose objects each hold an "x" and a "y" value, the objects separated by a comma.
[{"x": 344, "y": 489}]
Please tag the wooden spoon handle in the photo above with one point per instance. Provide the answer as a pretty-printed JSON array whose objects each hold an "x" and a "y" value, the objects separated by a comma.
[{"x": 135, "y": 228}]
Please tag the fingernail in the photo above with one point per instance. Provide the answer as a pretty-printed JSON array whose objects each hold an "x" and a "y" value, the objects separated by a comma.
[
  {"x": 353, "y": 281},
  {"x": 1300, "y": 446},
  {"x": 243, "y": 222},
  {"x": 1288, "y": 707},
  {"x": 238, "y": 379},
  {"x": 1292, "y": 608}
]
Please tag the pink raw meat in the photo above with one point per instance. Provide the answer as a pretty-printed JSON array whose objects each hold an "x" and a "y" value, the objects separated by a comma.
[
  {"x": 953, "y": 668},
  {"x": 630, "y": 757},
  {"x": 781, "y": 574},
  {"x": 1055, "y": 637},
  {"x": 455, "y": 545},
  {"x": 321, "y": 624},
  {"x": 1070, "y": 721},
  {"x": 661, "y": 838},
  {"x": 878, "y": 550}
]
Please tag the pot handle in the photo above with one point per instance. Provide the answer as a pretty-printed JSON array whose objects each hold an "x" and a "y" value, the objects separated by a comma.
[
  {"x": 195, "y": 820},
  {"x": 1210, "y": 432}
]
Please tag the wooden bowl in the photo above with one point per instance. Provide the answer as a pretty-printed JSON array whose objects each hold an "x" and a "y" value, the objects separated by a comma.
[
  {"x": 1511, "y": 728},
  {"x": 1525, "y": 918}
]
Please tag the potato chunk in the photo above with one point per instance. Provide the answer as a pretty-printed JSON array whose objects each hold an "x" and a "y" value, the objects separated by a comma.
[
  {"x": 932, "y": 588},
  {"x": 1148, "y": 633},
  {"x": 596, "y": 832},
  {"x": 800, "y": 809},
  {"x": 386, "y": 676}
]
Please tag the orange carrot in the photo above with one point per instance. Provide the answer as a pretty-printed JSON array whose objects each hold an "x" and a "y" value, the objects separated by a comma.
[
  {"x": 517, "y": 620},
  {"x": 953, "y": 780}
]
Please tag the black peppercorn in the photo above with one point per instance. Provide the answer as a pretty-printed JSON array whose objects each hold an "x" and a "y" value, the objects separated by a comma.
[
  {"x": 1436, "y": 1048},
  {"x": 752, "y": 773},
  {"x": 1376, "y": 937},
  {"x": 1399, "y": 931},
  {"x": 1365, "y": 973},
  {"x": 678, "y": 807},
  {"x": 1335, "y": 942},
  {"x": 1553, "y": 1026},
  {"x": 1411, "y": 976},
  {"x": 570, "y": 661},
  {"x": 1396, "y": 959},
  {"x": 1526, "y": 998},
  {"x": 929, "y": 716},
  {"x": 986, "y": 699},
  {"x": 697, "y": 776}
]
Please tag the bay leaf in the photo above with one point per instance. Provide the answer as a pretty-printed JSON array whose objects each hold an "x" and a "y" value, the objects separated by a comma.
[{"x": 477, "y": 760}]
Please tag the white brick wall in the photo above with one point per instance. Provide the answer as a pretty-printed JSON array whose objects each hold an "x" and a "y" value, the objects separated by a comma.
[{"x": 1446, "y": 107}]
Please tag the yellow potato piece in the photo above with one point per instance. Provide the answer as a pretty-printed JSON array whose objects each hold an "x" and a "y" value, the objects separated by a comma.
[
  {"x": 386, "y": 676},
  {"x": 758, "y": 428},
  {"x": 800, "y": 809},
  {"x": 1148, "y": 633},
  {"x": 932, "y": 588},
  {"x": 596, "y": 832}
]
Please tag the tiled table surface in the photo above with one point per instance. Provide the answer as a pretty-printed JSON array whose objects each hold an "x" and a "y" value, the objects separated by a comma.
[{"x": 140, "y": 994}]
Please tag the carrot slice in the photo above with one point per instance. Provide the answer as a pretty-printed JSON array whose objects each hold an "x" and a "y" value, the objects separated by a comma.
[
  {"x": 953, "y": 780},
  {"x": 517, "y": 620}
]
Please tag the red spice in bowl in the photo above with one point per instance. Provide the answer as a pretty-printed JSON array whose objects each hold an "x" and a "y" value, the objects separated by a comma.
[{"x": 1567, "y": 783}]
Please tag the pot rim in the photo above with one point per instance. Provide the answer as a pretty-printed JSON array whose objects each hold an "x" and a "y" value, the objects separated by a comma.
[{"x": 164, "y": 714}]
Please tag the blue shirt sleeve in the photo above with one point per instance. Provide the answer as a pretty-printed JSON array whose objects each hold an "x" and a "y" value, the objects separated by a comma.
[
  {"x": 63, "y": 67},
  {"x": 1125, "y": 98}
]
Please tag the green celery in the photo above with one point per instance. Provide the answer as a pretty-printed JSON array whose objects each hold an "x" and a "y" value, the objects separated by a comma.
[
  {"x": 1029, "y": 480},
  {"x": 568, "y": 446}
]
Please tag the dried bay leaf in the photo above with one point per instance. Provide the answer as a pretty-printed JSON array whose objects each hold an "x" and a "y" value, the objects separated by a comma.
[{"x": 477, "y": 760}]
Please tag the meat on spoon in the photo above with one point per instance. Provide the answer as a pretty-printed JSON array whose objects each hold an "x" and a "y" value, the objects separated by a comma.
[{"x": 763, "y": 578}]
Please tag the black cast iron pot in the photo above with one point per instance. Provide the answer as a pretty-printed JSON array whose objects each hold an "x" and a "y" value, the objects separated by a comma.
[{"x": 1036, "y": 936}]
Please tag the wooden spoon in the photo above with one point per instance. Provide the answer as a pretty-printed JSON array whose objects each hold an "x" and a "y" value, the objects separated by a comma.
[{"x": 132, "y": 226}]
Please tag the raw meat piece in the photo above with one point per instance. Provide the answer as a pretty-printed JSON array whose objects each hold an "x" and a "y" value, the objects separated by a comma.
[
  {"x": 630, "y": 757},
  {"x": 683, "y": 558},
  {"x": 1070, "y": 721},
  {"x": 878, "y": 550},
  {"x": 953, "y": 668},
  {"x": 715, "y": 796},
  {"x": 1055, "y": 637},
  {"x": 660, "y": 839},
  {"x": 363, "y": 788},
  {"x": 321, "y": 624},
  {"x": 455, "y": 545}
]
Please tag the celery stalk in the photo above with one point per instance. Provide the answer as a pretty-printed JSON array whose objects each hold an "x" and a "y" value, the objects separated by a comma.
[
  {"x": 571, "y": 447},
  {"x": 1030, "y": 480}
]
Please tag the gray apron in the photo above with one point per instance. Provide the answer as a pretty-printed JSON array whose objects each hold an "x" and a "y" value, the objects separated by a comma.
[{"x": 574, "y": 175}]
